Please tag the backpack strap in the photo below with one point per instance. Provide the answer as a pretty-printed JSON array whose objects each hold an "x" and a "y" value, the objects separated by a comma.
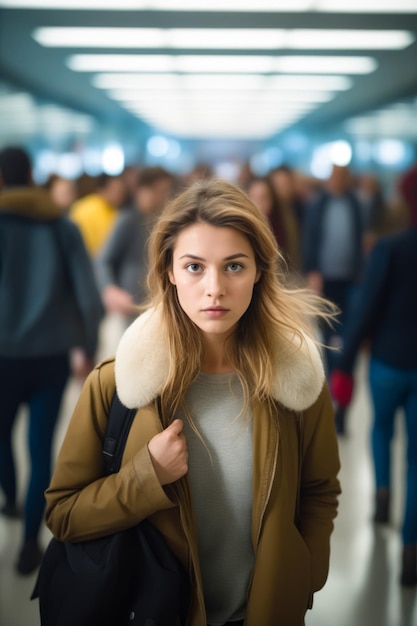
[{"x": 118, "y": 426}]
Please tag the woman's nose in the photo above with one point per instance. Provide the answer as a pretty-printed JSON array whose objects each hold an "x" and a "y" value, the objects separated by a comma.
[{"x": 215, "y": 284}]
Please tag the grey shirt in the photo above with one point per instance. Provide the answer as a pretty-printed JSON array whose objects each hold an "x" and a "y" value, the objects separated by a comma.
[
  {"x": 337, "y": 259},
  {"x": 221, "y": 486},
  {"x": 121, "y": 260}
]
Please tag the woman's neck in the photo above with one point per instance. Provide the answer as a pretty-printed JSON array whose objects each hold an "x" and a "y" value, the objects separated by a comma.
[{"x": 215, "y": 360}]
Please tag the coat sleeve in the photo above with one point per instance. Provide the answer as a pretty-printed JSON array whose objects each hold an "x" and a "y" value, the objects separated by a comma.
[
  {"x": 319, "y": 485},
  {"x": 81, "y": 502}
]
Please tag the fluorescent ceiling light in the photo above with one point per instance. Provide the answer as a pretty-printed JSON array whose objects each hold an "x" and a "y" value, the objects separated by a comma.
[
  {"x": 94, "y": 37},
  {"x": 136, "y": 97},
  {"x": 208, "y": 82},
  {"x": 216, "y": 128},
  {"x": 325, "y": 64},
  {"x": 308, "y": 39},
  {"x": 228, "y": 38},
  {"x": 273, "y": 6},
  {"x": 221, "y": 63},
  {"x": 318, "y": 83},
  {"x": 169, "y": 63}
]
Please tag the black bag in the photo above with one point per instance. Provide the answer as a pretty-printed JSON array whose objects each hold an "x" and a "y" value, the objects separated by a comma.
[{"x": 129, "y": 577}]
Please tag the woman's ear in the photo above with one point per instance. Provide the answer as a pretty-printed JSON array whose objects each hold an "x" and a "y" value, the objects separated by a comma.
[
  {"x": 171, "y": 277},
  {"x": 258, "y": 275}
]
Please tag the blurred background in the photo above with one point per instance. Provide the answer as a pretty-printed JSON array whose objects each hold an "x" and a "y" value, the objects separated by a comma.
[{"x": 87, "y": 88}]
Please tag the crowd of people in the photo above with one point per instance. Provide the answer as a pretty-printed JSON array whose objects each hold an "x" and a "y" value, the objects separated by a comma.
[{"x": 238, "y": 284}]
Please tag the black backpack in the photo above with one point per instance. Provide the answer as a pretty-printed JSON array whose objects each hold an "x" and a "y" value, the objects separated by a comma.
[{"x": 130, "y": 577}]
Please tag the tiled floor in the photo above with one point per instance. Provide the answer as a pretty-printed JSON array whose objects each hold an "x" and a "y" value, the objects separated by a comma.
[{"x": 362, "y": 589}]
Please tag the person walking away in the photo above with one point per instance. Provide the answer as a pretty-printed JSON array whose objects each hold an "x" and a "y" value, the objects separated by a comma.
[
  {"x": 333, "y": 256},
  {"x": 384, "y": 314},
  {"x": 49, "y": 304}
]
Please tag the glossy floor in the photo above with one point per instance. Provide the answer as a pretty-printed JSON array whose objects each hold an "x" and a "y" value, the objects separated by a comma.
[{"x": 362, "y": 589}]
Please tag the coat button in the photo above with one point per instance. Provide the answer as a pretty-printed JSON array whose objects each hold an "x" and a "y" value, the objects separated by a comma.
[{"x": 132, "y": 616}]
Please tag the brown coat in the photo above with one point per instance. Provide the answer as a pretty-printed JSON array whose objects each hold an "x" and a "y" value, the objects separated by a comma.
[{"x": 291, "y": 560}]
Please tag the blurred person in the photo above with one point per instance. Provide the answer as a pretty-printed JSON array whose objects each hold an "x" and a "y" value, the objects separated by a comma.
[
  {"x": 201, "y": 171},
  {"x": 49, "y": 304},
  {"x": 85, "y": 185},
  {"x": 333, "y": 254},
  {"x": 284, "y": 181},
  {"x": 120, "y": 266},
  {"x": 369, "y": 192},
  {"x": 262, "y": 193},
  {"x": 332, "y": 241},
  {"x": 96, "y": 213},
  {"x": 408, "y": 189},
  {"x": 245, "y": 175},
  {"x": 63, "y": 191},
  {"x": 232, "y": 453},
  {"x": 130, "y": 176},
  {"x": 384, "y": 314}
]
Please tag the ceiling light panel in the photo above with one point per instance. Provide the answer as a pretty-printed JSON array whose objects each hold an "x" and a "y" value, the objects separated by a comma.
[
  {"x": 170, "y": 63},
  {"x": 208, "y": 82},
  {"x": 276, "y": 98},
  {"x": 227, "y": 38},
  {"x": 221, "y": 63},
  {"x": 201, "y": 38},
  {"x": 137, "y": 98},
  {"x": 309, "y": 39}
]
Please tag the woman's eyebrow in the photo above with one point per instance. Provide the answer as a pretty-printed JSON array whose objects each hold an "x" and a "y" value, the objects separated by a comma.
[{"x": 227, "y": 258}]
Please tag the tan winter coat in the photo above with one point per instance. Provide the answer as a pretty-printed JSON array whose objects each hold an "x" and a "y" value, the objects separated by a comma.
[{"x": 291, "y": 560}]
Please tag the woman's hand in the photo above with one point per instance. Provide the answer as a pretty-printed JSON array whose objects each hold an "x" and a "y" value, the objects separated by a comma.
[{"x": 169, "y": 453}]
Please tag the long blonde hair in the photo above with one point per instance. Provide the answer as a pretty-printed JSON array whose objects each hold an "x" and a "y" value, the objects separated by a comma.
[{"x": 275, "y": 311}]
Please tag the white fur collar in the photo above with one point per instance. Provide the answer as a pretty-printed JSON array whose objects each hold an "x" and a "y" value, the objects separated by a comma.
[{"x": 141, "y": 367}]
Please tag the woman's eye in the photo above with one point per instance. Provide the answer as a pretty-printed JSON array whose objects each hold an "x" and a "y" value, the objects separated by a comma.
[
  {"x": 193, "y": 267},
  {"x": 234, "y": 267}
]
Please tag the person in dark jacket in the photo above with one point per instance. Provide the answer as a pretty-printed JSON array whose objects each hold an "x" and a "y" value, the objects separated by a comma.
[
  {"x": 49, "y": 304},
  {"x": 333, "y": 256},
  {"x": 384, "y": 312}
]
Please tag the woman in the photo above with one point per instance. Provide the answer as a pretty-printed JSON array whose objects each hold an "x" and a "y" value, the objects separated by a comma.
[
  {"x": 262, "y": 192},
  {"x": 220, "y": 367}
]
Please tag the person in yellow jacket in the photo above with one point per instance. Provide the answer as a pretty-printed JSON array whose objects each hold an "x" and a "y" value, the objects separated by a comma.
[
  {"x": 95, "y": 214},
  {"x": 233, "y": 452}
]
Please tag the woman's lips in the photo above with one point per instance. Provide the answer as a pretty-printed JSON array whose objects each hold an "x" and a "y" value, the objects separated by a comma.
[{"x": 215, "y": 312}]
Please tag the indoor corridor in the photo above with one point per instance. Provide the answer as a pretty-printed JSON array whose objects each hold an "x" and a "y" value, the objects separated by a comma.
[{"x": 362, "y": 588}]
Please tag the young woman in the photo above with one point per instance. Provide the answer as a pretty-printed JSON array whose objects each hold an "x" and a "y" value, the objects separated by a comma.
[{"x": 233, "y": 452}]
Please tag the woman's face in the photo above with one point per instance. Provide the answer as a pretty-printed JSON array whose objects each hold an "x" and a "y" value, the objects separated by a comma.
[{"x": 214, "y": 272}]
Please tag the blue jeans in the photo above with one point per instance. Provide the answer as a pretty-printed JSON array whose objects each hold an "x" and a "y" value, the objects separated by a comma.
[
  {"x": 391, "y": 389},
  {"x": 40, "y": 384}
]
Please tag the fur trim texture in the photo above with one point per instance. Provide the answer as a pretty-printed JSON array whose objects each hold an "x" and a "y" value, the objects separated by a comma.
[{"x": 141, "y": 366}]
